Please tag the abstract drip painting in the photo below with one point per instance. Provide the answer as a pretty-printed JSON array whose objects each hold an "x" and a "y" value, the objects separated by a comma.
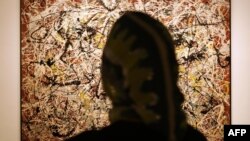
[{"x": 61, "y": 48}]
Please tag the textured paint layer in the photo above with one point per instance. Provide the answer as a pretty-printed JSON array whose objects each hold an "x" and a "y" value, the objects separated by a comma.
[{"x": 61, "y": 46}]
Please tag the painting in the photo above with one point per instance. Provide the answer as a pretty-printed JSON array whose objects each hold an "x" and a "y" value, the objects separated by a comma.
[{"x": 61, "y": 48}]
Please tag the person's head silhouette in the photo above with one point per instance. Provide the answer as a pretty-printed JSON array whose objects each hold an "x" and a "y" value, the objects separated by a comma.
[{"x": 140, "y": 72}]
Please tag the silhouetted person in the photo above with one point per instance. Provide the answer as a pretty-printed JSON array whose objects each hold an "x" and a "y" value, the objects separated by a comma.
[{"x": 139, "y": 73}]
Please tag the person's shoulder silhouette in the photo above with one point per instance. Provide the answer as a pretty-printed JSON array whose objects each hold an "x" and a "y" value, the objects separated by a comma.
[{"x": 139, "y": 73}]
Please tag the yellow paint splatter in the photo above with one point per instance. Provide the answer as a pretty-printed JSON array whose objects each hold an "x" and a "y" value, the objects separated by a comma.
[{"x": 85, "y": 99}]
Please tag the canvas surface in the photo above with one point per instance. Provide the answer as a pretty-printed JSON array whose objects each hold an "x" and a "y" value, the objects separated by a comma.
[{"x": 61, "y": 46}]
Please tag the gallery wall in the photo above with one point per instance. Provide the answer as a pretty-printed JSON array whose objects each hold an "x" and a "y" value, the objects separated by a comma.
[
  {"x": 10, "y": 67},
  {"x": 240, "y": 62},
  {"x": 9, "y": 71}
]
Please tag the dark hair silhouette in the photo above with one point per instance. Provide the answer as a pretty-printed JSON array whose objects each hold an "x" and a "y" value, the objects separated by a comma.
[{"x": 139, "y": 73}]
